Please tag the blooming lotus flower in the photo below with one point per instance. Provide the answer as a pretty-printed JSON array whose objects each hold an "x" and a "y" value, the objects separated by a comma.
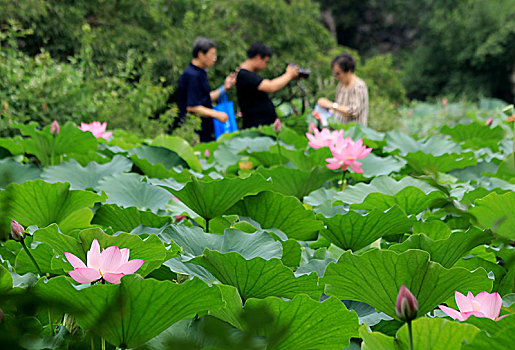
[
  {"x": 110, "y": 265},
  {"x": 406, "y": 305},
  {"x": 486, "y": 305},
  {"x": 54, "y": 128},
  {"x": 324, "y": 138},
  {"x": 346, "y": 152},
  {"x": 97, "y": 129}
]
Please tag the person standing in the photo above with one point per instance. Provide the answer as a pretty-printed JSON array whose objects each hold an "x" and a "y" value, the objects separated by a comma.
[
  {"x": 351, "y": 101},
  {"x": 252, "y": 90},
  {"x": 194, "y": 93}
]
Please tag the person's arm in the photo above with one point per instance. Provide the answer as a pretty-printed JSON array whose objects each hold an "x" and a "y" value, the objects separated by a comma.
[
  {"x": 335, "y": 107},
  {"x": 356, "y": 103},
  {"x": 230, "y": 80},
  {"x": 208, "y": 113},
  {"x": 278, "y": 83}
]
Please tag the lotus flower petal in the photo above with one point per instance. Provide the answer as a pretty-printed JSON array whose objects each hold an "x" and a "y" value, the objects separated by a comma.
[
  {"x": 131, "y": 266},
  {"x": 490, "y": 304},
  {"x": 113, "y": 277},
  {"x": 110, "y": 259},
  {"x": 74, "y": 261},
  {"x": 93, "y": 255},
  {"x": 85, "y": 275}
]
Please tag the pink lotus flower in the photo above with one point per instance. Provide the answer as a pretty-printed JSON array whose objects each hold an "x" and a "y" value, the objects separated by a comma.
[
  {"x": 324, "y": 138},
  {"x": 489, "y": 121},
  {"x": 406, "y": 305},
  {"x": 97, "y": 129},
  {"x": 346, "y": 152},
  {"x": 484, "y": 305},
  {"x": 277, "y": 125},
  {"x": 17, "y": 231},
  {"x": 54, "y": 128},
  {"x": 110, "y": 265},
  {"x": 311, "y": 127},
  {"x": 445, "y": 101},
  {"x": 207, "y": 154}
]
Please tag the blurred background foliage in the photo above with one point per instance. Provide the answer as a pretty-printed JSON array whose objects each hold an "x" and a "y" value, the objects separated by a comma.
[{"x": 119, "y": 60}]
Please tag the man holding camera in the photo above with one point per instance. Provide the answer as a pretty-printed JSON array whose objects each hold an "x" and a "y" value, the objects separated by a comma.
[{"x": 255, "y": 104}]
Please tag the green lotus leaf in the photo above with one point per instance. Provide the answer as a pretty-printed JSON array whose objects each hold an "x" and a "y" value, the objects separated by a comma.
[
  {"x": 43, "y": 145},
  {"x": 424, "y": 163},
  {"x": 475, "y": 135},
  {"x": 12, "y": 144},
  {"x": 41, "y": 203},
  {"x": 181, "y": 147},
  {"x": 81, "y": 178},
  {"x": 257, "y": 277},
  {"x": 126, "y": 219},
  {"x": 435, "y": 145},
  {"x": 158, "y": 155},
  {"x": 274, "y": 210},
  {"x": 12, "y": 171},
  {"x": 375, "y": 166},
  {"x": 159, "y": 171},
  {"x": 303, "y": 323},
  {"x": 131, "y": 313},
  {"x": 193, "y": 241},
  {"x": 211, "y": 198},
  {"x": 355, "y": 231},
  {"x": 434, "y": 229},
  {"x": 128, "y": 190},
  {"x": 495, "y": 211},
  {"x": 445, "y": 251},
  {"x": 295, "y": 182},
  {"x": 376, "y": 276},
  {"x": 6, "y": 280},
  {"x": 428, "y": 334}
]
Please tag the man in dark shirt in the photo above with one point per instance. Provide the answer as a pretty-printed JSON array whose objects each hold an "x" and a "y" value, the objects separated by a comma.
[
  {"x": 255, "y": 105},
  {"x": 194, "y": 93}
]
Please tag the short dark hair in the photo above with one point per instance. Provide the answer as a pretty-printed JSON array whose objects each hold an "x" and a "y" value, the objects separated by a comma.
[
  {"x": 202, "y": 45},
  {"x": 345, "y": 61},
  {"x": 259, "y": 49}
]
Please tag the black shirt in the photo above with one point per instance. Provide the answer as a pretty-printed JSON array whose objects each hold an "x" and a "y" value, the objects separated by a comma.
[
  {"x": 256, "y": 107},
  {"x": 193, "y": 91}
]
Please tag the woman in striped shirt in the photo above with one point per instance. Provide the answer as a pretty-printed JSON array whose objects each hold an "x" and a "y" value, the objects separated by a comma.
[{"x": 351, "y": 102}]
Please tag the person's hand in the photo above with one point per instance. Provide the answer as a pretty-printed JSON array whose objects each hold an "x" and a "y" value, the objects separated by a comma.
[
  {"x": 230, "y": 81},
  {"x": 221, "y": 116},
  {"x": 325, "y": 103},
  {"x": 293, "y": 71}
]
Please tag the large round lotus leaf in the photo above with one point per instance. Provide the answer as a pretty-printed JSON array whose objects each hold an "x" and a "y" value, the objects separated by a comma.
[
  {"x": 128, "y": 190},
  {"x": 48, "y": 148},
  {"x": 158, "y": 155},
  {"x": 274, "y": 210},
  {"x": 445, "y": 251},
  {"x": 131, "y": 313},
  {"x": 181, "y": 147},
  {"x": 126, "y": 219},
  {"x": 257, "y": 277},
  {"x": 375, "y": 166},
  {"x": 428, "y": 334},
  {"x": 12, "y": 171},
  {"x": 355, "y": 231},
  {"x": 376, "y": 276},
  {"x": 475, "y": 135},
  {"x": 211, "y": 198},
  {"x": 41, "y": 203},
  {"x": 495, "y": 212},
  {"x": 435, "y": 145},
  {"x": 303, "y": 323},
  {"x": 81, "y": 178},
  {"x": 424, "y": 163},
  {"x": 295, "y": 182}
]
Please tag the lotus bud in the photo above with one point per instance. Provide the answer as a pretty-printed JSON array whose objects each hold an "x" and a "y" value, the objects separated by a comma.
[
  {"x": 311, "y": 127},
  {"x": 489, "y": 121},
  {"x": 277, "y": 125},
  {"x": 17, "y": 231},
  {"x": 54, "y": 128},
  {"x": 207, "y": 153},
  {"x": 444, "y": 102},
  {"x": 406, "y": 306}
]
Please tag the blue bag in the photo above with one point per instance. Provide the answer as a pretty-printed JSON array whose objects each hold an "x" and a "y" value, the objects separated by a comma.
[{"x": 226, "y": 106}]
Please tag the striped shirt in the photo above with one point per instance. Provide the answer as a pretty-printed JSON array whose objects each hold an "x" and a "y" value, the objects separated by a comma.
[{"x": 355, "y": 98}]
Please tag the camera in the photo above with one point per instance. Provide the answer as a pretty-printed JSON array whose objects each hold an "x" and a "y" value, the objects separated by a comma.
[{"x": 303, "y": 72}]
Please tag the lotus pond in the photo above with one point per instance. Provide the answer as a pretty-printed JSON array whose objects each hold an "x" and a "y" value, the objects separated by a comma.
[{"x": 259, "y": 240}]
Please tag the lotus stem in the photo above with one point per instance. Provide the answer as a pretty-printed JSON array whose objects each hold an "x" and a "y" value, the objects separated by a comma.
[
  {"x": 343, "y": 179},
  {"x": 410, "y": 330},
  {"x": 51, "y": 322},
  {"x": 279, "y": 149},
  {"x": 103, "y": 344},
  {"x": 31, "y": 257}
]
